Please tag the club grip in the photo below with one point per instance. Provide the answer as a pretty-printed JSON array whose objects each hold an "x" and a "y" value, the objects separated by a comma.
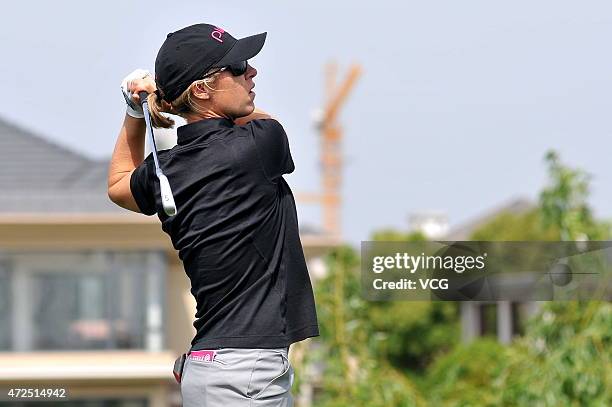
[{"x": 143, "y": 96}]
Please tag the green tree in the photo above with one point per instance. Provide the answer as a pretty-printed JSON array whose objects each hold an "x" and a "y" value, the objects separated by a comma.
[
  {"x": 509, "y": 226},
  {"x": 568, "y": 348},
  {"x": 408, "y": 353},
  {"x": 355, "y": 373},
  {"x": 563, "y": 203},
  {"x": 396, "y": 324},
  {"x": 392, "y": 235},
  {"x": 564, "y": 358}
]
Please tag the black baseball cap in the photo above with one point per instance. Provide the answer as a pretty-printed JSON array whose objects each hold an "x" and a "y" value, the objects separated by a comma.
[{"x": 187, "y": 54}]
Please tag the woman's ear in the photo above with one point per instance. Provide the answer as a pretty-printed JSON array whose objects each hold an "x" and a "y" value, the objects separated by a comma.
[{"x": 200, "y": 91}]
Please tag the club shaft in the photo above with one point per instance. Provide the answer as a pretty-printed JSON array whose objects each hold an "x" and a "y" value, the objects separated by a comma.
[{"x": 145, "y": 108}]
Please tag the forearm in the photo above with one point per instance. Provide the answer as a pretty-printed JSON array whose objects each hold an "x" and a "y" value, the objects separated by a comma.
[{"x": 129, "y": 150}]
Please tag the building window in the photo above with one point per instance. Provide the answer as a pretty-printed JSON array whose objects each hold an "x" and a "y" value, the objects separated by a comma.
[
  {"x": 83, "y": 301},
  {"x": 80, "y": 311}
]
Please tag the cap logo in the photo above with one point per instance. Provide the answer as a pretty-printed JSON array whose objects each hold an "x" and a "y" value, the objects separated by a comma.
[{"x": 216, "y": 34}]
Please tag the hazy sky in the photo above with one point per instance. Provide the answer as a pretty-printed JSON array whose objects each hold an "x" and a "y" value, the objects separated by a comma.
[{"x": 457, "y": 105}]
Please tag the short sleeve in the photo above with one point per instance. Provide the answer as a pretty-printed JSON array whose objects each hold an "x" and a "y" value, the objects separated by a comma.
[
  {"x": 272, "y": 147},
  {"x": 141, "y": 185}
]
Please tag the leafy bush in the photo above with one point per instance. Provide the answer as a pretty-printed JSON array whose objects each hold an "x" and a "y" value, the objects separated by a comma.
[
  {"x": 468, "y": 375},
  {"x": 564, "y": 359},
  {"x": 568, "y": 352}
]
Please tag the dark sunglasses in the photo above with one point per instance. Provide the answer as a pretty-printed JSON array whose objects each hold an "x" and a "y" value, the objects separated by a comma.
[{"x": 239, "y": 68}]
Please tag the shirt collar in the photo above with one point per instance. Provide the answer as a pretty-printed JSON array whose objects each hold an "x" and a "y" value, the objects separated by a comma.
[{"x": 201, "y": 129}]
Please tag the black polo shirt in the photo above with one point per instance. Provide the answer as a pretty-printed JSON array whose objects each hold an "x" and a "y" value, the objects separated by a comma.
[{"x": 236, "y": 231}]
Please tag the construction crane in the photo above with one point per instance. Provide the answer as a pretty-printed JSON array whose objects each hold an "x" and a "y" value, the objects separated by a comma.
[{"x": 331, "y": 149}]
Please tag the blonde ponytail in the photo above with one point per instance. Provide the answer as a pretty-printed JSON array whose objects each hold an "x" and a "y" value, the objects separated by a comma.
[{"x": 155, "y": 109}]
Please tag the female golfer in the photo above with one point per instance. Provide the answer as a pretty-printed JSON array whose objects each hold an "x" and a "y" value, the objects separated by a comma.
[{"x": 236, "y": 227}]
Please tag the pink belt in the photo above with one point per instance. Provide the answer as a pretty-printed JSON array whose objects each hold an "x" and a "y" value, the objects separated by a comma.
[{"x": 204, "y": 355}]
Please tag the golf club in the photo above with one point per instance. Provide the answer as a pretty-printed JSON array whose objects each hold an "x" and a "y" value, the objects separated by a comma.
[{"x": 164, "y": 185}]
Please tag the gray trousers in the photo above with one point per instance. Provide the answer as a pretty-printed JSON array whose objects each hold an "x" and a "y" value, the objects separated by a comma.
[{"x": 236, "y": 377}]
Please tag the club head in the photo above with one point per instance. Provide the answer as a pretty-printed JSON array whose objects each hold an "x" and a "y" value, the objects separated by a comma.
[{"x": 166, "y": 195}]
